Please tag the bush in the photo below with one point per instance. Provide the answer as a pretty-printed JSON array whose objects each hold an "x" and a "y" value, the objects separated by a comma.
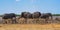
[{"x": 56, "y": 14}]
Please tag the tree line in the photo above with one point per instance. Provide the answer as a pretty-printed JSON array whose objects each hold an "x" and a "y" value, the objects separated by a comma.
[{"x": 52, "y": 15}]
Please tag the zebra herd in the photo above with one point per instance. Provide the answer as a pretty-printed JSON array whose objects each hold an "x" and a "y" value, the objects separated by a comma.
[{"x": 26, "y": 15}]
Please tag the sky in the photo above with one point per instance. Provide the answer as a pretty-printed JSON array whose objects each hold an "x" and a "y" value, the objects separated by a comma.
[{"x": 18, "y": 6}]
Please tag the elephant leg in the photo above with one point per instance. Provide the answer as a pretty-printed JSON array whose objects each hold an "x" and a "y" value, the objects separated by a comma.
[
  {"x": 14, "y": 20},
  {"x": 25, "y": 21},
  {"x": 4, "y": 21}
]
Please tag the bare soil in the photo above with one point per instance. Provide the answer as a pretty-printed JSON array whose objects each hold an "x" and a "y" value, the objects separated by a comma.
[{"x": 29, "y": 27}]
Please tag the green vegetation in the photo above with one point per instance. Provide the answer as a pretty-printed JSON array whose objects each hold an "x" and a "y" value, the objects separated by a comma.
[
  {"x": 53, "y": 15},
  {"x": 17, "y": 15},
  {"x": 0, "y": 15},
  {"x": 56, "y": 14}
]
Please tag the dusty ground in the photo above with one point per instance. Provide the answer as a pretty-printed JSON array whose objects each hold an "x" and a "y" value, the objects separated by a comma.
[{"x": 29, "y": 27}]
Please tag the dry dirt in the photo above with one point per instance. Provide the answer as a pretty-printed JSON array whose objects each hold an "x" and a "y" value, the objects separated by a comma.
[{"x": 29, "y": 27}]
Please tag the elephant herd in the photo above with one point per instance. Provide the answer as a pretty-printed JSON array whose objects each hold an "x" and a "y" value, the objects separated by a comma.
[
  {"x": 35, "y": 15},
  {"x": 27, "y": 15}
]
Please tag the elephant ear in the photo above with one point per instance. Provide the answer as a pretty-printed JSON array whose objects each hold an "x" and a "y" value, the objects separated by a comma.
[{"x": 36, "y": 14}]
